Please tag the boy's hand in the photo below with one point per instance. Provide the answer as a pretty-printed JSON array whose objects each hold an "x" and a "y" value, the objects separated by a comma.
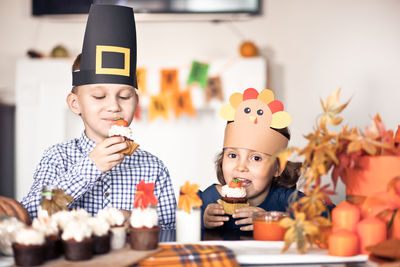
[
  {"x": 247, "y": 214},
  {"x": 106, "y": 153},
  {"x": 213, "y": 216}
]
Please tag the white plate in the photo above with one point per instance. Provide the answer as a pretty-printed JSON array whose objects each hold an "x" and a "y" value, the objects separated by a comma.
[{"x": 269, "y": 252}]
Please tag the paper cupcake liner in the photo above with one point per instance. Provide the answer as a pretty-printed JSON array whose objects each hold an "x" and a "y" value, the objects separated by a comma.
[
  {"x": 231, "y": 207},
  {"x": 144, "y": 238},
  {"x": 132, "y": 147}
]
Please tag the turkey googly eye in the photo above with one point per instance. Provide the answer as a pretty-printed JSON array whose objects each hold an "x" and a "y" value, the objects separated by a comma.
[
  {"x": 260, "y": 112},
  {"x": 247, "y": 110}
]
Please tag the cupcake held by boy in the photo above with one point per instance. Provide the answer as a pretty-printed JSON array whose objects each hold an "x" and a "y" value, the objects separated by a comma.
[
  {"x": 120, "y": 128},
  {"x": 233, "y": 196},
  {"x": 29, "y": 247},
  {"x": 144, "y": 228}
]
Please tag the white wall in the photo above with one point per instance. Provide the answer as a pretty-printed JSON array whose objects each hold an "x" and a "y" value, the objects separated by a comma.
[{"x": 313, "y": 47}]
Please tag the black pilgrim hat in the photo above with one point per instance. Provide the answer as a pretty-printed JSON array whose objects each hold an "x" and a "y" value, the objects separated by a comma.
[{"x": 109, "y": 47}]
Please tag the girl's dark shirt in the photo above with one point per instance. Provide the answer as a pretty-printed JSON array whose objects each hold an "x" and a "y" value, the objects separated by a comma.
[{"x": 276, "y": 200}]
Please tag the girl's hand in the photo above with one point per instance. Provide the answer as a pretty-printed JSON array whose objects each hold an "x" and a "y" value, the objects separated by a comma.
[
  {"x": 213, "y": 216},
  {"x": 106, "y": 153},
  {"x": 247, "y": 214}
]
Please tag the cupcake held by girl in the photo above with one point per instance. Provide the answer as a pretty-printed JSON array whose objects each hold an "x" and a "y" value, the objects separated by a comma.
[{"x": 246, "y": 168}]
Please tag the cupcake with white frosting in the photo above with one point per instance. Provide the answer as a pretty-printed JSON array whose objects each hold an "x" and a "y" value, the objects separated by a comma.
[
  {"x": 233, "y": 196},
  {"x": 62, "y": 218},
  {"x": 9, "y": 227},
  {"x": 120, "y": 128},
  {"x": 29, "y": 248},
  {"x": 144, "y": 228},
  {"x": 115, "y": 218},
  {"x": 48, "y": 226},
  {"x": 77, "y": 240},
  {"x": 101, "y": 235}
]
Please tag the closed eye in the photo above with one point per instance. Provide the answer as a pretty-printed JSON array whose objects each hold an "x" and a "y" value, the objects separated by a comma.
[
  {"x": 125, "y": 97},
  {"x": 98, "y": 97}
]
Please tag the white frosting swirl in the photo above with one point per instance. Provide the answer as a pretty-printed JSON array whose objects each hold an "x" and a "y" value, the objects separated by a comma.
[
  {"x": 47, "y": 226},
  {"x": 113, "y": 216},
  {"x": 100, "y": 227},
  {"x": 80, "y": 214},
  {"x": 233, "y": 192},
  {"x": 42, "y": 213},
  {"x": 77, "y": 230},
  {"x": 144, "y": 218},
  {"x": 62, "y": 218},
  {"x": 29, "y": 236},
  {"x": 120, "y": 130},
  {"x": 9, "y": 227}
]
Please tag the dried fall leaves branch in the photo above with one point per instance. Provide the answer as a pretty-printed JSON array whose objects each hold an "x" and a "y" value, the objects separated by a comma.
[{"x": 327, "y": 151}]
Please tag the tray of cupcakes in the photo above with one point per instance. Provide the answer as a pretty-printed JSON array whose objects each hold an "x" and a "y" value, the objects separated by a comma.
[{"x": 59, "y": 237}]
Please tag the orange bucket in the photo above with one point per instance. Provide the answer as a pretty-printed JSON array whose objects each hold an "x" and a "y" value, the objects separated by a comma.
[{"x": 372, "y": 175}]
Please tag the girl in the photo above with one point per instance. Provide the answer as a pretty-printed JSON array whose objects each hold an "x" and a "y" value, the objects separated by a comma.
[{"x": 250, "y": 141}]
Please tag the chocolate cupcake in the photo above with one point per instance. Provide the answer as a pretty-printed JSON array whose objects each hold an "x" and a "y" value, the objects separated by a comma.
[
  {"x": 144, "y": 229},
  {"x": 77, "y": 241},
  {"x": 9, "y": 227},
  {"x": 29, "y": 248},
  {"x": 53, "y": 247},
  {"x": 101, "y": 235},
  {"x": 48, "y": 227}
]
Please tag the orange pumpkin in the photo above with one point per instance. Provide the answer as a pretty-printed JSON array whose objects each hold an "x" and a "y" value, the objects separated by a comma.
[
  {"x": 13, "y": 208},
  {"x": 248, "y": 49}
]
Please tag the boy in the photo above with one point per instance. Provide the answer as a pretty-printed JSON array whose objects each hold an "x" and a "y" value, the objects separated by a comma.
[{"x": 92, "y": 168}]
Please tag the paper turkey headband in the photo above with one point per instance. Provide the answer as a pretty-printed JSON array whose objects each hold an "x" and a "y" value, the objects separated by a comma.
[{"x": 253, "y": 115}]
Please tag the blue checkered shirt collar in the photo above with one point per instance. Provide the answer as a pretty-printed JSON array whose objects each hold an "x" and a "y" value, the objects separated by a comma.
[{"x": 85, "y": 144}]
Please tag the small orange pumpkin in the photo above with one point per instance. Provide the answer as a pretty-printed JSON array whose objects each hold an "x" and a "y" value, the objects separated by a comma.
[{"x": 248, "y": 49}]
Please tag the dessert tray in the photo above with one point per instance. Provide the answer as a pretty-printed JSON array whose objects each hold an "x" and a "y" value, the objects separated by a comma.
[{"x": 122, "y": 257}]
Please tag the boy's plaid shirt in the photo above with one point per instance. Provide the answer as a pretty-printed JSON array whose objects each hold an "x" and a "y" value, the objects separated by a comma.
[{"x": 69, "y": 166}]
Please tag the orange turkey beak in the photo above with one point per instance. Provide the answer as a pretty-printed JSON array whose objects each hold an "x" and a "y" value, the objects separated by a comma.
[{"x": 253, "y": 119}]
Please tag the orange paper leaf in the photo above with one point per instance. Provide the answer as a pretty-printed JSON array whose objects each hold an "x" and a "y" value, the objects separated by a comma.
[
  {"x": 144, "y": 195},
  {"x": 188, "y": 197}
]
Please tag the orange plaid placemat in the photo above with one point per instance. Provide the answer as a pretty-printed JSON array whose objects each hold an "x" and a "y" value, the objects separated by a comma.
[{"x": 191, "y": 255}]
